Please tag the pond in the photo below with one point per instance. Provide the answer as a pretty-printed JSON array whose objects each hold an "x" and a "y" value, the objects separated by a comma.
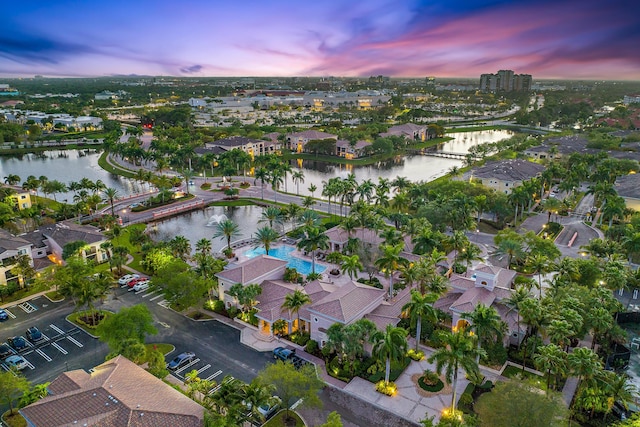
[
  {"x": 196, "y": 225},
  {"x": 414, "y": 167},
  {"x": 65, "y": 166}
]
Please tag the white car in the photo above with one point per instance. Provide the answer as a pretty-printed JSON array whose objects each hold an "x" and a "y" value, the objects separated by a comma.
[
  {"x": 16, "y": 361},
  {"x": 141, "y": 286},
  {"x": 127, "y": 278}
]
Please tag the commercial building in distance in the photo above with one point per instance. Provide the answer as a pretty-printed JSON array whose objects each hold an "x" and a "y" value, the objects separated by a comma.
[{"x": 505, "y": 81}]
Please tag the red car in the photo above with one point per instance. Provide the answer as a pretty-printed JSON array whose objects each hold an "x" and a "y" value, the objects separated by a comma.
[{"x": 133, "y": 282}]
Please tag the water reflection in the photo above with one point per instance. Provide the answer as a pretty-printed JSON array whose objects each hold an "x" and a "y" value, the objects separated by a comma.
[
  {"x": 196, "y": 225},
  {"x": 65, "y": 166}
]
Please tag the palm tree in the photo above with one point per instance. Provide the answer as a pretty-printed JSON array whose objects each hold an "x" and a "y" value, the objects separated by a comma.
[
  {"x": 12, "y": 179},
  {"x": 584, "y": 363},
  {"x": 180, "y": 247},
  {"x": 460, "y": 351},
  {"x": 312, "y": 189},
  {"x": 227, "y": 229},
  {"x": 420, "y": 306},
  {"x": 261, "y": 174},
  {"x": 390, "y": 261},
  {"x": 468, "y": 255},
  {"x": 314, "y": 239},
  {"x": 293, "y": 302},
  {"x": 511, "y": 248},
  {"x": 351, "y": 265},
  {"x": 111, "y": 194},
  {"x": 203, "y": 246},
  {"x": 540, "y": 264},
  {"x": 297, "y": 177},
  {"x": 514, "y": 302},
  {"x": 487, "y": 325},
  {"x": 256, "y": 394},
  {"x": 390, "y": 345},
  {"x": 271, "y": 214},
  {"x": 552, "y": 360},
  {"x": 266, "y": 235}
]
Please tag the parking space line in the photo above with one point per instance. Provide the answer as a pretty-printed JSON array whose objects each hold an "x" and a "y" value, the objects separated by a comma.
[
  {"x": 156, "y": 297},
  {"x": 44, "y": 355},
  {"x": 29, "y": 364},
  {"x": 45, "y": 338},
  {"x": 210, "y": 377},
  {"x": 148, "y": 294},
  {"x": 76, "y": 342},
  {"x": 55, "y": 328},
  {"x": 164, "y": 303},
  {"x": 27, "y": 308},
  {"x": 188, "y": 365},
  {"x": 204, "y": 368},
  {"x": 60, "y": 349},
  {"x": 10, "y": 314},
  {"x": 216, "y": 388}
]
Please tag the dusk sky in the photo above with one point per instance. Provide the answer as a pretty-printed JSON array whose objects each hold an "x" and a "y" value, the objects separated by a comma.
[{"x": 579, "y": 39}]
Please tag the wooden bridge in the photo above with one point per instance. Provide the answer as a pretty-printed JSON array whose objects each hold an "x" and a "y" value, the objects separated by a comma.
[{"x": 444, "y": 154}]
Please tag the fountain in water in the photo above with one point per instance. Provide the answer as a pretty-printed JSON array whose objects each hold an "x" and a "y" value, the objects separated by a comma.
[{"x": 216, "y": 219}]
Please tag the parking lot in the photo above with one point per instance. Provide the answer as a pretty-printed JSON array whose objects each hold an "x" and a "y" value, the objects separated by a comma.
[{"x": 61, "y": 346}]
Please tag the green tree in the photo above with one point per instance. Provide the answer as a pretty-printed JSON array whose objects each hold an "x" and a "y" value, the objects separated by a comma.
[
  {"x": 227, "y": 229},
  {"x": 130, "y": 323},
  {"x": 266, "y": 235},
  {"x": 418, "y": 308},
  {"x": 487, "y": 325},
  {"x": 111, "y": 194},
  {"x": 390, "y": 261},
  {"x": 292, "y": 384},
  {"x": 12, "y": 387},
  {"x": 389, "y": 345},
  {"x": 517, "y": 405},
  {"x": 297, "y": 177},
  {"x": 351, "y": 265},
  {"x": 293, "y": 302},
  {"x": 333, "y": 420},
  {"x": 460, "y": 351},
  {"x": 552, "y": 360},
  {"x": 313, "y": 240}
]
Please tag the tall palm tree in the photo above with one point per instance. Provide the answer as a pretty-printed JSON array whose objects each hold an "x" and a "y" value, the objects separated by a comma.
[
  {"x": 420, "y": 307},
  {"x": 12, "y": 179},
  {"x": 351, "y": 265},
  {"x": 255, "y": 394},
  {"x": 266, "y": 236},
  {"x": 584, "y": 363},
  {"x": 293, "y": 302},
  {"x": 180, "y": 247},
  {"x": 227, "y": 229},
  {"x": 312, "y": 189},
  {"x": 271, "y": 214},
  {"x": 552, "y": 360},
  {"x": 487, "y": 325},
  {"x": 298, "y": 178},
  {"x": 390, "y": 345},
  {"x": 203, "y": 246},
  {"x": 390, "y": 261},
  {"x": 261, "y": 174},
  {"x": 540, "y": 264},
  {"x": 460, "y": 351},
  {"x": 313, "y": 240},
  {"x": 112, "y": 195},
  {"x": 515, "y": 301}
]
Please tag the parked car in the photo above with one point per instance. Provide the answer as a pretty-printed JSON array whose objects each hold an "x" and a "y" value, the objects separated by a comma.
[
  {"x": 134, "y": 282},
  {"x": 16, "y": 361},
  {"x": 268, "y": 410},
  {"x": 141, "y": 286},
  {"x": 283, "y": 353},
  {"x": 127, "y": 278},
  {"x": 3, "y": 315},
  {"x": 18, "y": 343},
  {"x": 5, "y": 351},
  {"x": 34, "y": 334},
  {"x": 181, "y": 360}
]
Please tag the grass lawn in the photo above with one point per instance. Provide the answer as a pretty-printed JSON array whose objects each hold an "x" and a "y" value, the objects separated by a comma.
[
  {"x": 73, "y": 317},
  {"x": 239, "y": 202},
  {"x": 15, "y": 420},
  {"x": 278, "y": 420},
  {"x": 163, "y": 347},
  {"x": 527, "y": 377}
]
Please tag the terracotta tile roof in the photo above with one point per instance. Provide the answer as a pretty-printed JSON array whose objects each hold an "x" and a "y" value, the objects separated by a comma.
[
  {"x": 117, "y": 394},
  {"x": 338, "y": 235},
  {"x": 348, "y": 302},
  {"x": 252, "y": 269},
  {"x": 389, "y": 311},
  {"x": 471, "y": 298},
  {"x": 274, "y": 293},
  {"x": 311, "y": 134}
]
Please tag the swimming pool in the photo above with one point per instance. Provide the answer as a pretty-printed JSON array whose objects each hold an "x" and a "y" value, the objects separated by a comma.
[{"x": 284, "y": 252}]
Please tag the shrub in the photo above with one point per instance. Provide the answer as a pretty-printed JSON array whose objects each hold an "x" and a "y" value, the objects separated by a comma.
[
  {"x": 214, "y": 305},
  {"x": 233, "y": 312},
  {"x": 245, "y": 185},
  {"x": 388, "y": 389},
  {"x": 300, "y": 338},
  {"x": 430, "y": 377},
  {"x": 496, "y": 354},
  {"x": 312, "y": 347},
  {"x": 466, "y": 400},
  {"x": 291, "y": 275},
  {"x": 205, "y": 186},
  {"x": 416, "y": 355},
  {"x": 396, "y": 369},
  {"x": 313, "y": 276}
]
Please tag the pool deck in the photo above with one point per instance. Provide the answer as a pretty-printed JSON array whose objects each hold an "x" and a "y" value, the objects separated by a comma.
[{"x": 295, "y": 253}]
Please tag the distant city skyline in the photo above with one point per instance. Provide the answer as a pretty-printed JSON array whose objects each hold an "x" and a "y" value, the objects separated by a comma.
[{"x": 564, "y": 39}]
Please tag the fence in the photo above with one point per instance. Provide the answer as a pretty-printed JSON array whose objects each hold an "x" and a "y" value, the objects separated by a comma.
[{"x": 178, "y": 209}]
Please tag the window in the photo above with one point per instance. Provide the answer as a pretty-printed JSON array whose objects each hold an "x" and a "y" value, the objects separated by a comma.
[
  {"x": 483, "y": 283},
  {"x": 315, "y": 320}
]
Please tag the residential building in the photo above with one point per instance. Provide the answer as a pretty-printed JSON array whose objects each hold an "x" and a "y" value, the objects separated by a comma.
[
  {"x": 253, "y": 147},
  {"x": 487, "y": 285},
  {"x": 351, "y": 151},
  {"x": 628, "y": 187},
  {"x": 115, "y": 393},
  {"x": 505, "y": 81},
  {"x": 409, "y": 131},
  {"x": 21, "y": 200},
  {"x": 11, "y": 247},
  {"x": 253, "y": 270},
  {"x": 55, "y": 237},
  {"x": 504, "y": 175},
  {"x": 298, "y": 140},
  {"x": 631, "y": 99}
]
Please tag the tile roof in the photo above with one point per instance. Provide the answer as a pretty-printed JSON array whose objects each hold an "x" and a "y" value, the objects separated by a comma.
[
  {"x": 252, "y": 269},
  {"x": 234, "y": 141},
  {"x": 471, "y": 298},
  {"x": 117, "y": 394},
  {"x": 628, "y": 186},
  {"x": 67, "y": 232},
  {"x": 341, "y": 143},
  {"x": 274, "y": 293},
  {"x": 508, "y": 170},
  {"x": 406, "y": 129},
  {"x": 348, "y": 302},
  {"x": 312, "y": 134},
  {"x": 389, "y": 311},
  {"x": 9, "y": 242}
]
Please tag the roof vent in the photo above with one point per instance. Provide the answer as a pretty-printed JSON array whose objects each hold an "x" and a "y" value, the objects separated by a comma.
[
  {"x": 141, "y": 413},
  {"x": 94, "y": 394}
]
